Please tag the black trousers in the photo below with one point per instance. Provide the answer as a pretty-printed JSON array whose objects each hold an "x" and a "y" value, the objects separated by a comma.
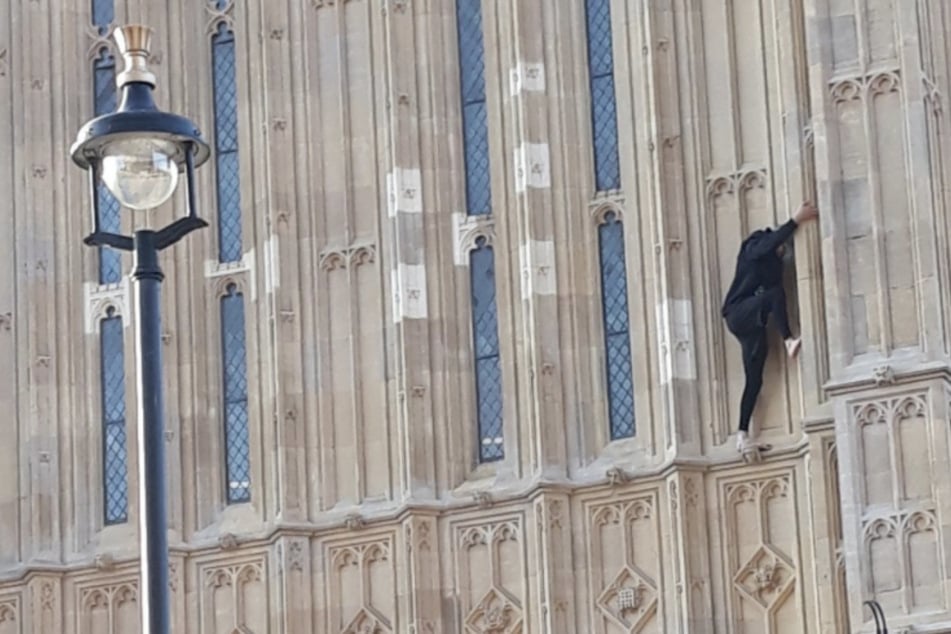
[{"x": 747, "y": 321}]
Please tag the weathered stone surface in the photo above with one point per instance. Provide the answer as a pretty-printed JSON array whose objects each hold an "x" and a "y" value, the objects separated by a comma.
[{"x": 368, "y": 512}]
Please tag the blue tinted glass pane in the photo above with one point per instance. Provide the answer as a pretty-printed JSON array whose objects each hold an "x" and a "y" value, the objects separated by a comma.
[
  {"x": 616, "y": 331},
  {"x": 485, "y": 334},
  {"x": 474, "y": 124},
  {"x": 600, "y": 52},
  {"x": 229, "y": 206},
  {"x": 103, "y": 12},
  {"x": 603, "y": 103},
  {"x": 613, "y": 275},
  {"x": 235, "y": 379},
  {"x": 110, "y": 260},
  {"x": 489, "y": 394},
  {"x": 620, "y": 385},
  {"x": 104, "y": 89},
  {"x": 225, "y": 90},
  {"x": 607, "y": 168},
  {"x": 228, "y": 171},
  {"x": 471, "y": 50},
  {"x": 104, "y": 81},
  {"x": 112, "y": 380},
  {"x": 476, "y": 145}
]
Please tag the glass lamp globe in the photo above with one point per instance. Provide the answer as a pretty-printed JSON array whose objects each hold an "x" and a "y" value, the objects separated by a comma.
[{"x": 140, "y": 172}]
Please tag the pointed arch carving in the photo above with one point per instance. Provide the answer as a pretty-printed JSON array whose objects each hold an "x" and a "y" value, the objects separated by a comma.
[
  {"x": 220, "y": 14},
  {"x": 601, "y": 207}
]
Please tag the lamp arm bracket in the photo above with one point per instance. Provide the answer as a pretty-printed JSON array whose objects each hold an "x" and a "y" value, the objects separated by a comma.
[
  {"x": 106, "y": 239},
  {"x": 177, "y": 230}
]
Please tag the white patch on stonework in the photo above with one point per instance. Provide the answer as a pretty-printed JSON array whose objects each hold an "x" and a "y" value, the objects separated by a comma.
[
  {"x": 272, "y": 271},
  {"x": 675, "y": 335},
  {"x": 527, "y": 77},
  {"x": 537, "y": 264},
  {"x": 404, "y": 191},
  {"x": 532, "y": 168},
  {"x": 97, "y": 299},
  {"x": 214, "y": 268},
  {"x": 245, "y": 266},
  {"x": 409, "y": 292}
]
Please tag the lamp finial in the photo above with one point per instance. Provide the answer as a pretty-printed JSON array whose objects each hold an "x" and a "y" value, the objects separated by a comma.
[{"x": 134, "y": 42}]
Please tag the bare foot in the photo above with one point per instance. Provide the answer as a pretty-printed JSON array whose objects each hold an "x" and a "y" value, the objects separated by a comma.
[{"x": 792, "y": 347}]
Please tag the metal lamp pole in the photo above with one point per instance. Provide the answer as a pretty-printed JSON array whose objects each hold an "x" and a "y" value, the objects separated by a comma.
[
  {"x": 147, "y": 279},
  {"x": 137, "y": 152}
]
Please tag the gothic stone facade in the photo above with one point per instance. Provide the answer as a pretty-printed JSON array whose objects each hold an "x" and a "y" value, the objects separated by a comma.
[{"x": 369, "y": 507}]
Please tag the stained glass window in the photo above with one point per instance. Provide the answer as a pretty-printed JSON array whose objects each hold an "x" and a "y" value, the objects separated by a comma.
[
  {"x": 104, "y": 88},
  {"x": 227, "y": 169},
  {"x": 488, "y": 371},
  {"x": 103, "y": 13},
  {"x": 485, "y": 331},
  {"x": 235, "y": 385},
  {"x": 474, "y": 124},
  {"x": 114, "y": 453},
  {"x": 604, "y": 134},
  {"x": 617, "y": 340}
]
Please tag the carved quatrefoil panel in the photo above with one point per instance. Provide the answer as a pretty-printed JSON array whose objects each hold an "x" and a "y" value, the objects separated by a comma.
[
  {"x": 496, "y": 613},
  {"x": 766, "y": 578},
  {"x": 630, "y": 600}
]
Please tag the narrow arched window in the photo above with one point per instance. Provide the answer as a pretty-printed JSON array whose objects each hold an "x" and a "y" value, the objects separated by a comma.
[
  {"x": 235, "y": 390},
  {"x": 478, "y": 175},
  {"x": 115, "y": 474},
  {"x": 474, "y": 122},
  {"x": 227, "y": 169},
  {"x": 485, "y": 333},
  {"x": 604, "y": 134},
  {"x": 233, "y": 335},
  {"x": 104, "y": 91},
  {"x": 617, "y": 336}
]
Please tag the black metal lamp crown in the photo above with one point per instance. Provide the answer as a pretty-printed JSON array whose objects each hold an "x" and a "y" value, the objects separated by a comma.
[{"x": 138, "y": 151}]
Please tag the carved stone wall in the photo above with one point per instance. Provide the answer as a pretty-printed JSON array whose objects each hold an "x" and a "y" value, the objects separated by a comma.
[{"x": 369, "y": 511}]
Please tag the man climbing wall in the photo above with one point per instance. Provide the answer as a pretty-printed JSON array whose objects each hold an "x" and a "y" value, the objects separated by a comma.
[{"x": 755, "y": 295}]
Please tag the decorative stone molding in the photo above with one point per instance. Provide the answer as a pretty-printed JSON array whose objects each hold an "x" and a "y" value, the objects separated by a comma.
[
  {"x": 227, "y": 541},
  {"x": 320, "y": 4},
  {"x": 105, "y": 562},
  {"x": 345, "y": 564},
  {"x": 219, "y": 15},
  {"x": 854, "y": 88},
  {"x": 295, "y": 555},
  {"x": 349, "y": 257},
  {"x": 483, "y": 499},
  {"x": 932, "y": 95},
  {"x": 354, "y": 522},
  {"x": 9, "y": 610},
  {"x": 616, "y": 476},
  {"x": 100, "y": 299},
  {"x": 467, "y": 232},
  {"x": 736, "y": 182},
  {"x": 883, "y": 375}
]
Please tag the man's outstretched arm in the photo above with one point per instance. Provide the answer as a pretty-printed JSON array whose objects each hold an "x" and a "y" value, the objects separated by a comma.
[{"x": 767, "y": 243}]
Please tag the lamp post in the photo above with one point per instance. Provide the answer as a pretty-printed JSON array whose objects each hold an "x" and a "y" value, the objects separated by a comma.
[{"x": 138, "y": 152}]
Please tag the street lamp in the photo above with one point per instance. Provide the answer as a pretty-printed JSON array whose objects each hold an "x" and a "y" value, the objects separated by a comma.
[{"x": 138, "y": 151}]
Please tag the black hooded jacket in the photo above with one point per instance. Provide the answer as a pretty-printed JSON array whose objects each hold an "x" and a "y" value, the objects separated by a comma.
[{"x": 758, "y": 266}]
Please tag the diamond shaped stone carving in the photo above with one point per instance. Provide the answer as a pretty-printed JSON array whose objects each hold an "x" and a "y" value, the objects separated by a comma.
[
  {"x": 367, "y": 622},
  {"x": 630, "y": 600},
  {"x": 496, "y": 613},
  {"x": 766, "y": 578}
]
